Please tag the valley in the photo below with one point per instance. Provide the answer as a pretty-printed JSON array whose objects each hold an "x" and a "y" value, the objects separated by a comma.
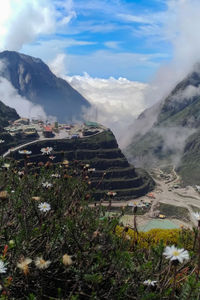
[{"x": 169, "y": 199}]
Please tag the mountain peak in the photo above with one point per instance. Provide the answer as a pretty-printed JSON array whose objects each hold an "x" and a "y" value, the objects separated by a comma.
[{"x": 33, "y": 79}]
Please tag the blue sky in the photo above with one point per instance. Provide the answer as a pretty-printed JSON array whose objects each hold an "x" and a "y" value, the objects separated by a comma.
[{"x": 119, "y": 38}]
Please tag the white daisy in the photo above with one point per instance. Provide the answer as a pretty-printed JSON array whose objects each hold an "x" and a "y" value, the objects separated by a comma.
[
  {"x": 3, "y": 268},
  {"x": 23, "y": 265},
  {"x": 46, "y": 150},
  {"x": 44, "y": 206},
  {"x": 197, "y": 216},
  {"x": 173, "y": 253},
  {"x": 91, "y": 170},
  {"x": 27, "y": 152},
  {"x": 112, "y": 194},
  {"x": 2, "y": 141},
  {"x": 55, "y": 175},
  {"x": 41, "y": 263},
  {"x": 20, "y": 173},
  {"x": 52, "y": 157},
  {"x": 6, "y": 166},
  {"x": 47, "y": 184},
  {"x": 150, "y": 282}
]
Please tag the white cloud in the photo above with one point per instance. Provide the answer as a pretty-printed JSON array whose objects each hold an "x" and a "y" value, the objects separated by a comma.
[
  {"x": 22, "y": 21},
  {"x": 115, "y": 102},
  {"x": 112, "y": 44},
  {"x": 145, "y": 19},
  {"x": 47, "y": 50},
  {"x": 58, "y": 65},
  {"x": 24, "y": 108}
]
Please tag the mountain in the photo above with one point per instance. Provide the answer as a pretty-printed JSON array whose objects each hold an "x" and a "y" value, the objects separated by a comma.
[
  {"x": 172, "y": 134},
  {"x": 7, "y": 114},
  {"x": 33, "y": 80}
]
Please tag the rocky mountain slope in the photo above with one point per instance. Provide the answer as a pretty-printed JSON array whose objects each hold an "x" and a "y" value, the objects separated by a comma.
[
  {"x": 33, "y": 79},
  {"x": 173, "y": 130}
]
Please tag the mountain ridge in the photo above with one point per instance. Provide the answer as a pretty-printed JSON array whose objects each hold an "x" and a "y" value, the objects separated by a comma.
[
  {"x": 33, "y": 79},
  {"x": 167, "y": 138}
]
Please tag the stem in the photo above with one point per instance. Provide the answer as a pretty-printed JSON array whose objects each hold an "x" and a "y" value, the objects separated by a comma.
[
  {"x": 198, "y": 234},
  {"x": 174, "y": 283}
]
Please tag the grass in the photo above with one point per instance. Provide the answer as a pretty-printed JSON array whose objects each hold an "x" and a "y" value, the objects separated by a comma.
[{"x": 173, "y": 211}]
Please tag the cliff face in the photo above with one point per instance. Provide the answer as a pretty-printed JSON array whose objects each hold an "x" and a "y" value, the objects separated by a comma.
[
  {"x": 33, "y": 79},
  {"x": 113, "y": 172}
]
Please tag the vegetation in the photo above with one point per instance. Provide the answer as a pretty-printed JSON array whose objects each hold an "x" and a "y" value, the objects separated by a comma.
[
  {"x": 7, "y": 114},
  {"x": 54, "y": 245},
  {"x": 173, "y": 211}
]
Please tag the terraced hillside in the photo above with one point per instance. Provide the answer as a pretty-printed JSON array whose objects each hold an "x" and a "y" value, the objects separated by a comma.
[{"x": 113, "y": 172}]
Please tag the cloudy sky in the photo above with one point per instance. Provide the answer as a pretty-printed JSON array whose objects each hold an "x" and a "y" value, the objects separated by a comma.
[
  {"x": 122, "y": 55},
  {"x": 118, "y": 38}
]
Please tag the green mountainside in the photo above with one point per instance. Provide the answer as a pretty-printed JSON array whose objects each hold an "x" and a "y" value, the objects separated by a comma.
[{"x": 168, "y": 140}]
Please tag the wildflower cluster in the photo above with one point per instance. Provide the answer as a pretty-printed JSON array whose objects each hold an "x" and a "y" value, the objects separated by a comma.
[{"x": 53, "y": 244}]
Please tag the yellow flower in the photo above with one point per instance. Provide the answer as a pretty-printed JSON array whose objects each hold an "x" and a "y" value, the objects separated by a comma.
[
  {"x": 67, "y": 260},
  {"x": 23, "y": 265},
  {"x": 41, "y": 263}
]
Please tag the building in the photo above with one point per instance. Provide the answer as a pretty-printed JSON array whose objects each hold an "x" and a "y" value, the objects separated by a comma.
[
  {"x": 48, "y": 132},
  {"x": 21, "y": 121}
]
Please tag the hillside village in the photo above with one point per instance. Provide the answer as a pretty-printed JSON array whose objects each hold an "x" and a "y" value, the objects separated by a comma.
[{"x": 38, "y": 129}]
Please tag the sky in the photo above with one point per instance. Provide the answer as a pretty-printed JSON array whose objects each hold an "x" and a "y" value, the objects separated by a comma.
[
  {"x": 118, "y": 38},
  {"x": 122, "y": 55}
]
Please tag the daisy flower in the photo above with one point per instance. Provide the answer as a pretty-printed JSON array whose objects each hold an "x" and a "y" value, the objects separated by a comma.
[
  {"x": 150, "y": 282},
  {"x": 20, "y": 173},
  {"x": 52, "y": 157},
  {"x": 67, "y": 260},
  {"x": 3, "y": 268},
  {"x": 46, "y": 150},
  {"x": 111, "y": 194},
  {"x": 2, "y": 141},
  {"x": 197, "y": 216},
  {"x": 46, "y": 184},
  {"x": 172, "y": 253},
  {"x": 23, "y": 265},
  {"x": 55, "y": 175},
  {"x": 6, "y": 166},
  {"x": 41, "y": 263},
  {"x": 91, "y": 170},
  {"x": 27, "y": 152},
  {"x": 44, "y": 206}
]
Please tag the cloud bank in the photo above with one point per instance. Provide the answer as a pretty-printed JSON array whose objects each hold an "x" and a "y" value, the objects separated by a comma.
[
  {"x": 10, "y": 97},
  {"x": 25, "y": 108},
  {"x": 115, "y": 102},
  {"x": 21, "y": 22}
]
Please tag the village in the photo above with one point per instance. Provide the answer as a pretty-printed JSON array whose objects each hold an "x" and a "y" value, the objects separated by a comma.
[{"x": 38, "y": 129}]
